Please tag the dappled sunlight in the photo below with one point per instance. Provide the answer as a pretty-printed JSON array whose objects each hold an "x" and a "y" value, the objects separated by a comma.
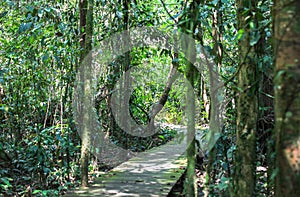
[{"x": 151, "y": 172}]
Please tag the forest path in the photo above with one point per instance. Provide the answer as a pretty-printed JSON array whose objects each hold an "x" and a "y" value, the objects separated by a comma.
[{"x": 151, "y": 173}]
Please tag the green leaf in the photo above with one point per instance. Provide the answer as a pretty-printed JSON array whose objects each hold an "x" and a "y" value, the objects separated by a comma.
[
  {"x": 119, "y": 14},
  {"x": 278, "y": 76},
  {"x": 37, "y": 191},
  {"x": 40, "y": 13},
  {"x": 1, "y": 76},
  {"x": 29, "y": 8},
  {"x": 215, "y": 2},
  {"x": 223, "y": 183},
  {"x": 274, "y": 173},
  {"x": 45, "y": 58},
  {"x": 240, "y": 34},
  {"x": 6, "y": 180},
  {"x": 251, "y": 24},
  {"x": 47, "y": 9},
  {"x": 25, "y": 27},
  {"x": 3, "y": 14},
  {"x": 4, "y": 107},
  {"x": 255, "y": 39},
  {"x": 288, "y": 114}
]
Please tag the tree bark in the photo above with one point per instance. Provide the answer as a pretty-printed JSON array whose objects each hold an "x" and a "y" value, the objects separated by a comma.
[
  {"x": 287, "y": 96},
  {"x": 190, "y": 187},
  {"x": 213, "y": 114},
  {"x": 247, "y": 106},
  {"x": 164, "y": 97},
  {"x": 82, "y": 24},
  {"x": 86, "y": 79}
]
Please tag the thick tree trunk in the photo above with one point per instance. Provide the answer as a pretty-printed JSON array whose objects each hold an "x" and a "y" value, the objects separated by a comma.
[
  {"x": 287, "y": 96},
  {"x": 247, "y": 107}
]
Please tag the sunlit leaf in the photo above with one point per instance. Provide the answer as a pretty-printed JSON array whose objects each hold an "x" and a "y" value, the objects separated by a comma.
[{"x": 240, "y": 34}]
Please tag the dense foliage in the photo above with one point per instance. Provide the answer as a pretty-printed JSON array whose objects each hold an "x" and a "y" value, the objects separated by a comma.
[{"x": 40, "y": 54}]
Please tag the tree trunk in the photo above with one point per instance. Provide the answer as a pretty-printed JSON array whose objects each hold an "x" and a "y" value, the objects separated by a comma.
[
  {"x": 247, "y": 106},
  {"x": 126, "y": 84},
  {"x": 86, "y": 78},
  {"x": 164, "y": 97},
  {"x": 204, "y": 97},
  {"x": 287, "y": 97},
  {"x": 265, "y": 122},
  {"x": 213, "y": 115},
  {"x": 190, "y": 187},
  {"x": 82, "y": 24}
]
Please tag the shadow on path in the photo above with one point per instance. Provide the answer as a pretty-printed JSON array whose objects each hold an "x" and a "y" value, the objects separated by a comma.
[{"x": 151, "y": 173}]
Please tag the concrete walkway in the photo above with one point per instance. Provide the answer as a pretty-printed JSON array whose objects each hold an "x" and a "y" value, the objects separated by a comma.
[{"x": 149, "y": 174}]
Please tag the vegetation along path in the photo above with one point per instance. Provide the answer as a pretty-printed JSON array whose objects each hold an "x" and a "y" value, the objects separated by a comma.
[{"x": 151, "y": 173}]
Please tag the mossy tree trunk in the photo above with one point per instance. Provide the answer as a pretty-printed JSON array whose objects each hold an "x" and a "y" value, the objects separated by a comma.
[
  {"x": 189, "y": 27},
  {"x": 247, "y": 105},
  {"x": 126, "y": 65},
  {"x": 287, "y": 96},
  {"x": 190, "y": 187}
]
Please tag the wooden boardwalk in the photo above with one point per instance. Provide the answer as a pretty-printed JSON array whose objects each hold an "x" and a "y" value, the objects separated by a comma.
[{"x": 149, "y": 174}]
